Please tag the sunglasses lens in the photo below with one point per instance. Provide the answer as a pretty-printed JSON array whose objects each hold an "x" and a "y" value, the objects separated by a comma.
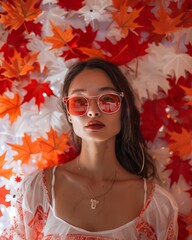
[
  {"x": 77, "y": 105},
  {"x": 109, "y": 103}
]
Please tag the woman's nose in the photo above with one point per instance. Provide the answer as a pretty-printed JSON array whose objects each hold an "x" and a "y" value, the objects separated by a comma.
[{"x": 93, "y": 109}]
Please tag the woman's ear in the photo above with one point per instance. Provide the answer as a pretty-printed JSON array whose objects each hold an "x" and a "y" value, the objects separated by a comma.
[{"x": 69, "y": 118}]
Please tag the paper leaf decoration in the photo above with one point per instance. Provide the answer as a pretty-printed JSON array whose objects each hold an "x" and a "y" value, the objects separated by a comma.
[
  {"x": 180, "y": 142},
  {"x": 19, "y": 66},
  {"x": 10, "y": 106},
  {"x": 38, "y": 91},
  {"x": 60, "y": 38},
  {"x": 164, "y": 25},
  {"x": 179, "y": 168},
  {"x": 126, "y": 20},
  {"x": 18, "y": 12},
  {"x": 25, "y": 150},
  {"x": 6, "y": 173},
  {"x": 51, "y": 148}
]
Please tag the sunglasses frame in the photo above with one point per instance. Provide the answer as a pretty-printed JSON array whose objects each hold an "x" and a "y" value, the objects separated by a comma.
[{"x": 119, "y": 94}]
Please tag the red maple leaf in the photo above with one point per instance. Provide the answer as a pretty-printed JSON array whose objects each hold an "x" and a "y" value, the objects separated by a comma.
[
  {"x": 5, "y": 85},
  {"x": 15, "y": 40},
  {"x": 183, "y": 233},
  {"x": 185, "y": 9},
  {"x": 70, "y": 5},
  {"x": 176, "y": 99},
  {"x": 81, "y": 39},
  {"x": 189, "y": 49},
  {"x": 38, "y": 91},
  {"x": 124, "y": 50},
  {"x": 179, "y": 168},
  {"x": 18, "y": 179},
  {"x": 152, "y": 117}
]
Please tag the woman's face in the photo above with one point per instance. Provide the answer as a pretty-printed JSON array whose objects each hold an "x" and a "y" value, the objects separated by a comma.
[{"x": 94, "y": 125}]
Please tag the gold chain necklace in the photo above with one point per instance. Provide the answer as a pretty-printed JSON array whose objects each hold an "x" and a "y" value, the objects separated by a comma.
[{"x": 94, "y": 199}]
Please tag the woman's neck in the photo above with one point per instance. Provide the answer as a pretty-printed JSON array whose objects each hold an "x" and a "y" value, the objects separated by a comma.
[{"x": 97, "y": 159}]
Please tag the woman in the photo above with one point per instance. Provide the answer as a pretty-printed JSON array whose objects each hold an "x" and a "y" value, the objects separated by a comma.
[{"x": 107, "y": 191}]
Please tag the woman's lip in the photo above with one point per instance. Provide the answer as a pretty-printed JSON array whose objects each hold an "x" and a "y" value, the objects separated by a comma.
[{"x": 95, "y": 125}]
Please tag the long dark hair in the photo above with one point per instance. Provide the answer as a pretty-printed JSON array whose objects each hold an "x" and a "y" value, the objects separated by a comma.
[{"x": 130, "y": 147}]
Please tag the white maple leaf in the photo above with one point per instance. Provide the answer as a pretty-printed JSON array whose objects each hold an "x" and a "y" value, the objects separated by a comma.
[
  {"x": 51, "y": 115},
  {"x": 54, "y": 14},
  {"x": 169, "y": 61},
  {"x": 149, "y": 77},
  {"x": 56, "y": 73},
  {"x": 95, "y": 10},
  {"x": 177, "y": 64},
  {"x": 45, "y": 54}
]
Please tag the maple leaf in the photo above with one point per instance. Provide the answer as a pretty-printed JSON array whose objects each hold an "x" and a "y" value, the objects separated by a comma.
[
  {"x": 164, "y": 23},
  {"x": 180, "y": 143},
  {"x": 176, "y": 63},
  {"x": 38, "y": 91},
  {"x": 152, "y": 118},
  {"x": 6, "y": 173},
  {"x": 188, "y": 92},
  {"x": 52, "y": 147},
  {"x": 91, "y": 52},
  {"x": 18, "y": 12},
  {"x": 70, "y": 5},
  {"x": 119, "y": 3},
  {"x": 25, "y": 150},
  {"x": 10, "y": 106},
  {"x": 19, "y": 66},
  {"x": 15, "y": 40},
  {"x": 60, "y": 38},
  {"x": 189, "y": 221},
  {"x": 183, "y": 233},
  {"x": 179, "y": 168},
  {"x": 125, "y": 50},
  {"x": 3, "y": 193},
  {"x": 125, "y": 20},
  {"x": 81, "y": 39},
  {"x": 5, "y": 84}
]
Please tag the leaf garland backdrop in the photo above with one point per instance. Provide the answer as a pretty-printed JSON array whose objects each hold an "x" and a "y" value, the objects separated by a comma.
[{"x": 151, "y": 41}]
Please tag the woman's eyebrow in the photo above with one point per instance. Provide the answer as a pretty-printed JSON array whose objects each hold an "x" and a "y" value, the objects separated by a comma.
[
  {"x": 106, "y": 88},
  {"x": 102, "y": 89},
  {"x": 78, "y": 90}
]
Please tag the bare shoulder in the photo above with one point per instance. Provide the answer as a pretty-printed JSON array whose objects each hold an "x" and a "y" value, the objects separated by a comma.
[{"x": 62, "y": 172}]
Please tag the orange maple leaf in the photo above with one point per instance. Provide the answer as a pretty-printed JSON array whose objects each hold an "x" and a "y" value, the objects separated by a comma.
[
  {"x": 126, "y": 20},
  {"x": 7, "y": 173},
  {"x": 60, "y": 38},
  {"x": 164, "y": 23},
  {"x": 51, "y": 148},
  {"x": 3, "y": 193},
  {"x": 10, "y": 106},
  {"x": 91, "y": 52},
  {"x": 18, "y": 12},
  {"x": 18, "y": 66},
  {"x": 25, "y": 150},
  {"x": 182, "y": 142},
  {"x": 188, "y": 92}
]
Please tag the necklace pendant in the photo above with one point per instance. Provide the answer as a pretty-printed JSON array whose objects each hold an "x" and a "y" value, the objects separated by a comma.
[{"x": 94, "y": 203}]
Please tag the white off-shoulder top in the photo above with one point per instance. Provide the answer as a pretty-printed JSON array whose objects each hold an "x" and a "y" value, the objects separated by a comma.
[{"x": 36, "y": 219}]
